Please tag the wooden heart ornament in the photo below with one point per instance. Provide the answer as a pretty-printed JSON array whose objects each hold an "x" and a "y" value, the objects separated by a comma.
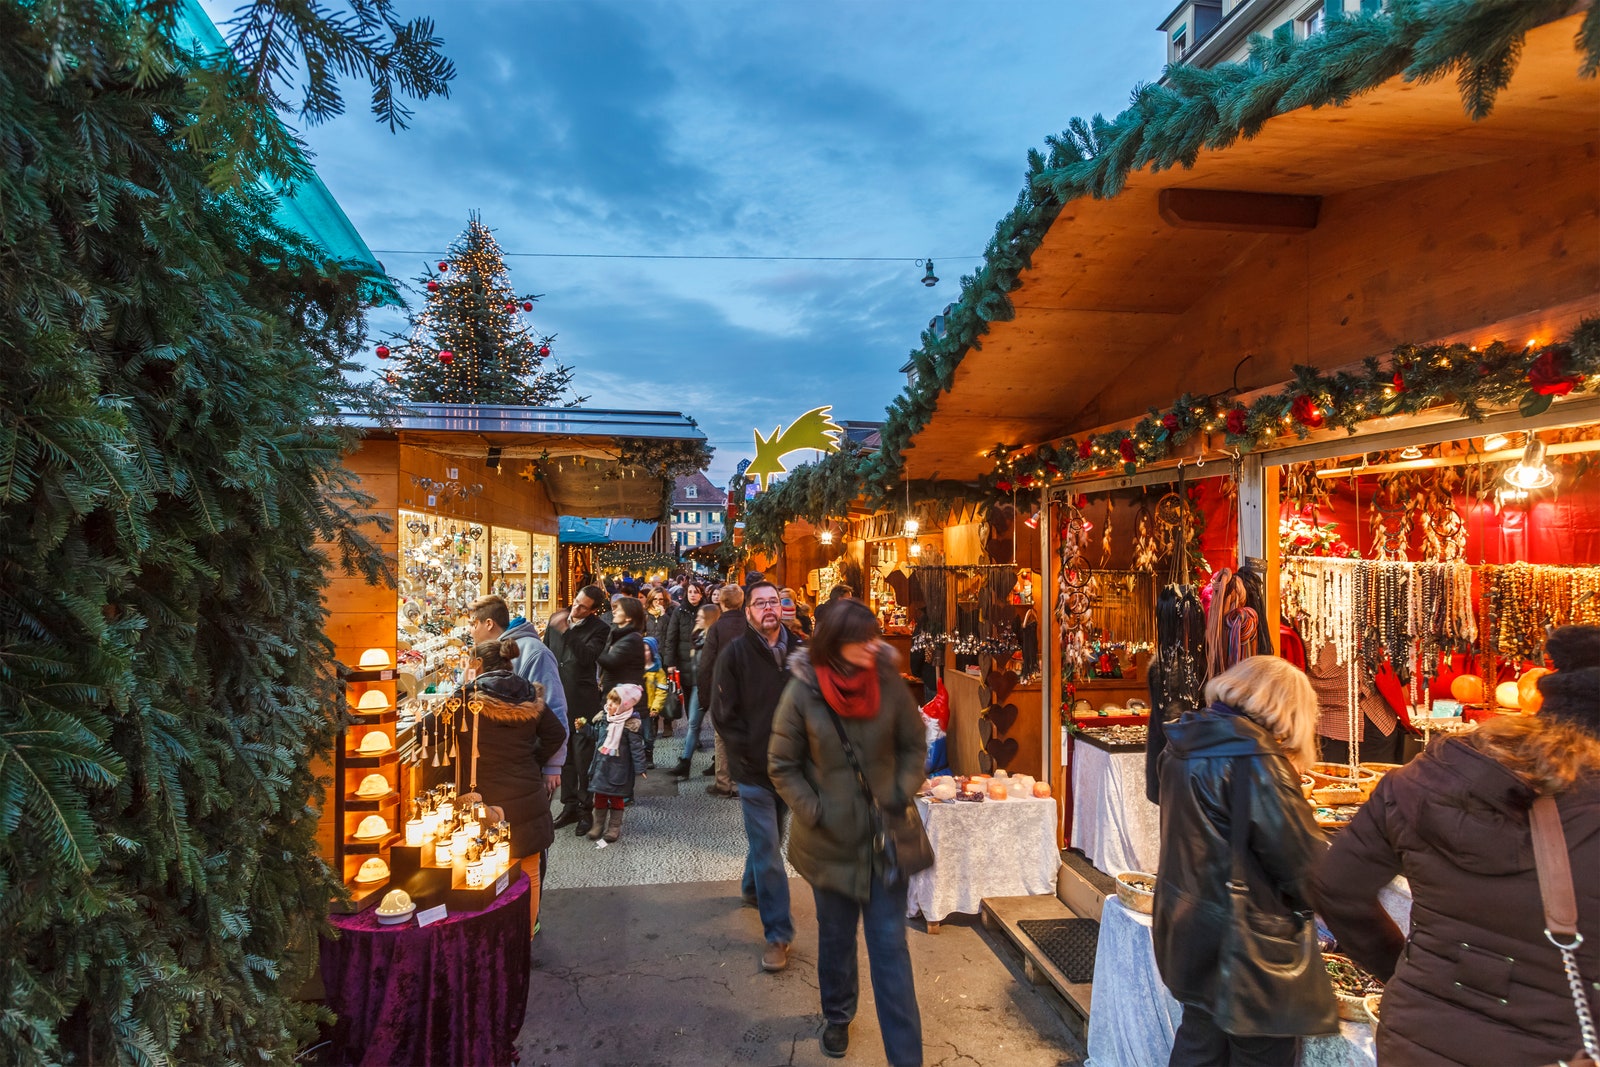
[
  {"x": 1001, "y": 684},
  {"x": 1002, "y": 716},
  {"x": 1002, "y": 750}
]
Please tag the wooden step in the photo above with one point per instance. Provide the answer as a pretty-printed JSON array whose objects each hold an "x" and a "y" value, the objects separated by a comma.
[
  {"x": 1081, "y": 887},
  {"x": 1001, "y": 916}
]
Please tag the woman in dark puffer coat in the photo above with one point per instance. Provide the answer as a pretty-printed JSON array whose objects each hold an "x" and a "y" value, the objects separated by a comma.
[
  {"x": 1476, "y": 981},
  {"x": 518, "y": 735}
]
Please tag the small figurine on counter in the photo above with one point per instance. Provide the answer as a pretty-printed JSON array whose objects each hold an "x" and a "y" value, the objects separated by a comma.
[{"x": 618, "y": 759}]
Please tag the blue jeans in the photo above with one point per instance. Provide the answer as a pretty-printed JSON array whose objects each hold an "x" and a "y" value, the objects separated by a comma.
[
  {"x": 764, "y": 876},
  {"x": 697, "y": 714},
  {"x": 883, "y": 920}
]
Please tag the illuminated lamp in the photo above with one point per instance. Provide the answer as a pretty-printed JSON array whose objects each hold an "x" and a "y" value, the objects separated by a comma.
[
  {"x": 1530, "y": 471},
  {"x": 375, "y": 659},
  {"x": 373, "y": 700}
]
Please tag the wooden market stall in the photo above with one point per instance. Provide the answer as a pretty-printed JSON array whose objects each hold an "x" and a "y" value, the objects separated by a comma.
[
  {"x": 468, "y": 498},
  {"x": 1333, "y": 236}
]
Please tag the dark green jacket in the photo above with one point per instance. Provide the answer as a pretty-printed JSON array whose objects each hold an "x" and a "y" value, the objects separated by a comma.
[{"x": 830, "y": 840}]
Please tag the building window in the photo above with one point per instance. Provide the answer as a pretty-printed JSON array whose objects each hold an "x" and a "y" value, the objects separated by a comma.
[
  {"x": 694, "y": 538},
  {"x": 1310, "y": 22},
  {"x": 691, "y": 491},
  {"x": 716, "y": 516},
  {"x": 1180, "y": 42}
]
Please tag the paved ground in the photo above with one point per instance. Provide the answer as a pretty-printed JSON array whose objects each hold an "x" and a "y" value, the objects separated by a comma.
[{"x": 645, "y": 957}]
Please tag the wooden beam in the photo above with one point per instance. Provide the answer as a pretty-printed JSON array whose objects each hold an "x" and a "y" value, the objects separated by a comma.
[{"x": 1218, "y": 209}]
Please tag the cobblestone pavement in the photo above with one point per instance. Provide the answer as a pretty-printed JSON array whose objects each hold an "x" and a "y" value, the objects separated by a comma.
[{"x": 645, "y": 957}]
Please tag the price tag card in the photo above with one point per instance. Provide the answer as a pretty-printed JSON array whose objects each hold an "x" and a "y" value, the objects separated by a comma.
[
  {"x": 432, "y": 915},
  {"x": 500, "y": 886}
]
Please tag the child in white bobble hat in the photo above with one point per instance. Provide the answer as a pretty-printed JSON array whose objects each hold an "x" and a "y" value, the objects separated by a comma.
[{"x": 617, "y": 760}]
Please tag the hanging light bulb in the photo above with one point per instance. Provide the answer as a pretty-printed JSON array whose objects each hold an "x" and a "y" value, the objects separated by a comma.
[
  {"x": 912, "y": 526},
  {"x": 1530, "y": 471},
  {"x": 825, "y": 536},
  {"x": 915, "y": 550},
  {"x": 1412, "y": 452},
  {"x": 929, "y": 278}
]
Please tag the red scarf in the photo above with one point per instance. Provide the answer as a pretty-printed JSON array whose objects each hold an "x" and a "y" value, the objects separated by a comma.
[{"x": 854, "y": 696}]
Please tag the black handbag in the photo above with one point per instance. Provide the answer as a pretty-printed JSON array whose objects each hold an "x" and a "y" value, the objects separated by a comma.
[
  {"x": 1272, "y": 982},
  {"x": 898, "y": 839}
]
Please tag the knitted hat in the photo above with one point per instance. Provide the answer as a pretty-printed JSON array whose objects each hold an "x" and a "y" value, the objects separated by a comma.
[
  {"x": 787, "y": 609},
  {"x": 1572, "y": 691},
  {"x": 627, "y": 693}
]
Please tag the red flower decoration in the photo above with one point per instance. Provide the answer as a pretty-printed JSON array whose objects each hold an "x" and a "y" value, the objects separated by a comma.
[
  {"x": 1086, "y": 449},
  {"x": 1236, "y": 421},
  {"x": 1170, "y": 421},
  {"x": 1399, "y": 382},
  {"x": 1003, "y": 485},
  {"x": 1126, "y": 447},
  {"x": 1546, "y": 377},
  {"x": 1307, "y": 413},
  {"x": 1051, "y": 469},
  {"x": 1026, "y": 481}
]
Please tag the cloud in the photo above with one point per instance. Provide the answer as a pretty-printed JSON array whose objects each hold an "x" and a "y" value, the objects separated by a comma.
[{"x": 825, "y": 129}]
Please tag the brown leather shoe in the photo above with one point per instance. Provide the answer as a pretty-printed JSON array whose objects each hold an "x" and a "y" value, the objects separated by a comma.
[{"x": 775, "y": 957}]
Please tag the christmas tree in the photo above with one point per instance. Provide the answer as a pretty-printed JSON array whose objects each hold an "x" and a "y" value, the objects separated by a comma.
[
  {"x": 172, "y": 368},
  {"x": 470, "y": 343}
]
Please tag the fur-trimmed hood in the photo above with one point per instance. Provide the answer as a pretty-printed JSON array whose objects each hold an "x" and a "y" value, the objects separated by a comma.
[
  {"x": 801, "y": 667},
  {"x": 508, "y": 697}
]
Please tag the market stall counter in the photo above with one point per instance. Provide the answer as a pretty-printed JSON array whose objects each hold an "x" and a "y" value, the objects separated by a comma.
[
  {"x": 984, "y": 848},
  {"x": 1113, "y": 823},
  {"x": 449, "y": 993},
  {"x": 1132, "y": 1017}
]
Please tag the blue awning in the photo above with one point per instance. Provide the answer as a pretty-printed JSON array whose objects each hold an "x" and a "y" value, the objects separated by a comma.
[{"x": 576, "y": 531}]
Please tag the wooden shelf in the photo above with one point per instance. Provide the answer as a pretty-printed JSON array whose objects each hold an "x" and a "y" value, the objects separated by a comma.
[
  {"x": 357, "y": 759},
  {"x": 352, "y": 802},
  {"x": 358, "y": 846}
]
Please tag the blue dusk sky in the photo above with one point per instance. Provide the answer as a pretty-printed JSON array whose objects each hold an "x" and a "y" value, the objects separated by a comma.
[{"x": 722, "y": 128}]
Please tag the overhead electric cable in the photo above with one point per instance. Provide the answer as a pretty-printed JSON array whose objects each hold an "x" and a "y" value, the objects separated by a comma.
[{"x": 626, "y": 255}]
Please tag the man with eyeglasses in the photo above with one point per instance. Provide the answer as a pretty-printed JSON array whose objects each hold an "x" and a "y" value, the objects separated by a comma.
[
  {"x": 751, "y": 673},
  {"x": 577, "y": 651}
]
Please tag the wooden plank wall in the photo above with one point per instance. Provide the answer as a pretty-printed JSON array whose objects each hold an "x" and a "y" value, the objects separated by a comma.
[
  {"x": 1442, "y": 256},
  {"x": 507, "y": 499}
]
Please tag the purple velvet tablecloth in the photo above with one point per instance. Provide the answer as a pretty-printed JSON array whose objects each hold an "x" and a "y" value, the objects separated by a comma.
[{"x": 451, "y": 993}]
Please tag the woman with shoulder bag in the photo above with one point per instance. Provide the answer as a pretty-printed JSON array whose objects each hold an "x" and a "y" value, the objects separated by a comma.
[
  {"x": 1481, "y": 976},
  {"x": 846, "y": 755},
  {"x": 1235, "y": 940}
]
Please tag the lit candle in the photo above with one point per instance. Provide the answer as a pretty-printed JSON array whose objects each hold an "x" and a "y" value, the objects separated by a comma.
[
  {"x": 416, "y": 832},
  {"x": 441, "y": 852},
  {"x": 475, "y": 874}
]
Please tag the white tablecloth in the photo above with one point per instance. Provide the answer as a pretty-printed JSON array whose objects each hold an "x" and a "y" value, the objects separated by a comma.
[
  {"x": 1113, "y": 823},
  {"x": 997, "y": 848},
  {"x": 1132, "y": 1018}
]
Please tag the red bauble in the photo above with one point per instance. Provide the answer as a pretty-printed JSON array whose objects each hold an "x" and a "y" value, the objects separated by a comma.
[
  {"x": 1128, "y": 449},
  {"x": 446, "y": 356},
  {"x": 1236, "y": 421},
  {"x": 433, "y": 287},
  {"x": 511, "y": 309},
  {"x": 527, "y": 305},
  {"x": 544, "y": 350},
  {"x": 383, "y": 351},
  {"x": 444, "y": 267},
  {"x": 1307, "y": 413},
  {"x": 1170, "y": 421}
]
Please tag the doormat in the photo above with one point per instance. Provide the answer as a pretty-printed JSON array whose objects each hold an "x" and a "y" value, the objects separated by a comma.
[{"x": 1067, "y": 943}]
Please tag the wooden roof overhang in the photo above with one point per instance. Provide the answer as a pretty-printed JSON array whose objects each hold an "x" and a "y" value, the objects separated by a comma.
[
  {"x": 1429, "y": 226},
  {"x": 577, "y": 450}
]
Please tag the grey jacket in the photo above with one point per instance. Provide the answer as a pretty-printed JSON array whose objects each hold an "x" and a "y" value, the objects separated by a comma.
[{"x": 537, "y": 664}]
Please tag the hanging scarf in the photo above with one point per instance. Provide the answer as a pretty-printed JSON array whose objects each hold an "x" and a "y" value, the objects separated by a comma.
[
  {"x": 853, "y": 696},
  {"x": 617, "y": 721}
]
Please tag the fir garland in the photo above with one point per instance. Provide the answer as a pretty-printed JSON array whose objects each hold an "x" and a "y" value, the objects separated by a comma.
[
  {"x": 1167, "y": 125},
  {"x": 632, "y": 560}
]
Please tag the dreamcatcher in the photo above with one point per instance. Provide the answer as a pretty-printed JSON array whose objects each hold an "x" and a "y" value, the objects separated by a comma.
[
  {"x": 1076, "y": 589},
  {"x": 1146, "y": 545}
]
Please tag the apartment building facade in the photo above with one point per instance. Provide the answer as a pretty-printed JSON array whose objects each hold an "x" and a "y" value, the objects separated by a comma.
[
  {"x": 697, "y": 508},
  {"x": 1205, "y": 33}
]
